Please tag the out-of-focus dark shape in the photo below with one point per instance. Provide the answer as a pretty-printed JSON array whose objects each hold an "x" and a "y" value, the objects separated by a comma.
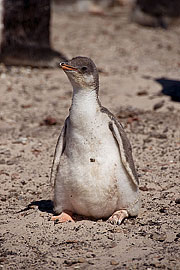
[
  {"x": 94, "y": 7},
  {"x": 158, "y": 105},
  {"x": 170, "y": 88},
  {"x": 50, "y": 121},
  {"x": 24, "y": 34},
  {"x": 156, "y": 13}
]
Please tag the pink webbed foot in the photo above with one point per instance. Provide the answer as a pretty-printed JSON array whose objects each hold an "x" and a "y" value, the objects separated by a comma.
[
  {"x": 118, "y": 217},
  {"x": 63, "y": 217}
]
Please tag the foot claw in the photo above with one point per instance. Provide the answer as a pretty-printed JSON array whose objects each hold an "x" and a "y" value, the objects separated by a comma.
[
  {"x": 118, "y": 217},
  {"x": 63, "y": 217}
]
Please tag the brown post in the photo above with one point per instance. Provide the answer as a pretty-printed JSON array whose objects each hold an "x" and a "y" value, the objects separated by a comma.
[{"x": 24, "y": 34}]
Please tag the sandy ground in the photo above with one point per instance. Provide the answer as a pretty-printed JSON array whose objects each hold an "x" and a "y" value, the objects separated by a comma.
[{"x": 34, "y": 104}]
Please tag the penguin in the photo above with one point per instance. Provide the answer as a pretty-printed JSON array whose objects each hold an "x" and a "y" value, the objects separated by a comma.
[{"x": 93, "y": 171}]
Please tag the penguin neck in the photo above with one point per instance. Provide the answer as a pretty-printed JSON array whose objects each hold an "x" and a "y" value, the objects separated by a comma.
[{"x": 85, "y": 104}]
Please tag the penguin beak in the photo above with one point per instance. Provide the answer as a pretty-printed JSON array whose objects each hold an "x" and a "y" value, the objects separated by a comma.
[{"x": 67, "y": 67}]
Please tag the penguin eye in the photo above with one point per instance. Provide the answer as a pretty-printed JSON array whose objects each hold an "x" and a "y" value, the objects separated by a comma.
[{"x": 83, "y": 69}]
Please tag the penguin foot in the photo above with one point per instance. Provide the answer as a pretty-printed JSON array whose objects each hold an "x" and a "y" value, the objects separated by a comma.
[
  {"x": 63, "y": 217},
  {"x": 118, "y": 217}
]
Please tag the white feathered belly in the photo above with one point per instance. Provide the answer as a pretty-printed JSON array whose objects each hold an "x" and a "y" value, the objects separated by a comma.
[{"x": 90, "y": 170}]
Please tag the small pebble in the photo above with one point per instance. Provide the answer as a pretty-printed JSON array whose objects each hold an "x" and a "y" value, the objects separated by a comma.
[
  {"x": 177, "y": 201},
  {"x": 81, "y": 260},
  {"x": 163, "y": 210},
  {"x": 11, "y": 162},
  {"x": 113, "y": 262},
  {"x": 142, "y": 93},
  {"x": 50, "y": 121},
  {"x": 144, "y": 188},
  {"x": 2, "y": 161},
  {"x": 164, "y": 168},
  {"x": 22, "y": 140},
  {"x": 158, "y": 105}
]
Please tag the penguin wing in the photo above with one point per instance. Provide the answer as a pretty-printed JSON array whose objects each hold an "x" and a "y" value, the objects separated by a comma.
[
  {"x": 124, "y": 149},
  {"x": 60, "y": 146}
]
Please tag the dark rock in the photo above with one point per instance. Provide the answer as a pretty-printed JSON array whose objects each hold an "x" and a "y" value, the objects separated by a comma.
[
  {"x": 144, "y": 188},
  {"x": 2, "y": 161},
  {"x": 163, "y": 210},
  {"x": 50, "y": 121},
  {"x": 142, "y": 93},
  {"x": 158, "y": 105},
  {"x": 164, "y": 168},
  {"x": 177, "y": 201}
]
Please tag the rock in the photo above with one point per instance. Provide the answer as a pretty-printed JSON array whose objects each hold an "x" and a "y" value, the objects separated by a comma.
[
  {"x": 142, "y": 93},
  {"x": 163, "y": 210},
  {"x": 144, "y": 188},
  {"x": 177, "y": 201},
  {"x": 23, "y": 182},
  {"x": 50, "y": 121},
  {"x": 2, "y": 161},
  {"x": 36, "y": 151},
  {"x": 113, "y": 262},
  {"x": 158, "y": 105},
  {"x": 22, "y": 140},
  {"x": 177, "y": 237},
  {"x": 164, "y": 168},
  {"x": 26, "y": 106},
  {"x": 81, "y": 260}
]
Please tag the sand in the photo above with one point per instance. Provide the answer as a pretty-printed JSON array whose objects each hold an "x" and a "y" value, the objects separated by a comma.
[{"x": 34, "y": 104}]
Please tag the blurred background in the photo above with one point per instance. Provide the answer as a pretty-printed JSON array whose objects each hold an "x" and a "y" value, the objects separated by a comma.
[
  {"x": 135, "y": 43},
  {"x": 136, "y": 47}
]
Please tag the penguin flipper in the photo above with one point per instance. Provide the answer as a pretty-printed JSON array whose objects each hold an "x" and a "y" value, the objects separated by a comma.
[
  {"x": 124, "y": 149},
  {"x": 60, "y": 146}
]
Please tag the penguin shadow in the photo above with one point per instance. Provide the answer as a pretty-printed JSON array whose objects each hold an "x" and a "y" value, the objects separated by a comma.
[
  {"x": 170, "y": 88},
  {"x": 43, "y": 206}
]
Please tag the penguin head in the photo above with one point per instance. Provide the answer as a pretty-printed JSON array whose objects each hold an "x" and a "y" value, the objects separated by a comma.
[{"x": 82, "y": 73}]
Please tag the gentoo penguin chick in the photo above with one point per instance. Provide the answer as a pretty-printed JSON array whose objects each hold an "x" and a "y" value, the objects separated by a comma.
[{"x": 93, "y": 170}]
